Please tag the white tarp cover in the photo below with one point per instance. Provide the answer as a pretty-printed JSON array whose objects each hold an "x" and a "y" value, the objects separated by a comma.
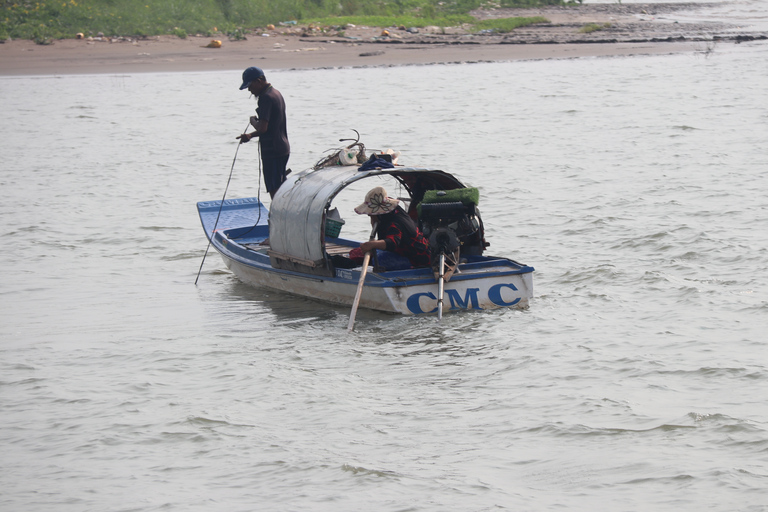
[{"x": 296, "y": 213}]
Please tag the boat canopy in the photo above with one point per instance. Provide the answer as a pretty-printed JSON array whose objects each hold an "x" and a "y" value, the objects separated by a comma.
[{"x": 298, "y": 211}]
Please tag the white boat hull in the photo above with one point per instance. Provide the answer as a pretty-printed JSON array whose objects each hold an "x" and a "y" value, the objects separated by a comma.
[{"x": 476, "y": 293}]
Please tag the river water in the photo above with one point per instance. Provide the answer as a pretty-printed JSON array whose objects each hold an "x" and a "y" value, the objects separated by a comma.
[
  {"x": 748, "y": 15},
  {"x": 636, "y": 380}
]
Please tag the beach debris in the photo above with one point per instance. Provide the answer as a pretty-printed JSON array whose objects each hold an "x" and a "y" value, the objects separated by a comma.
[
  {"x": 215, "y": 43},
  {"x": 371, "y": 54},
  {"x": 297, "y": 50},
  {"x": 286, "y": 23},
  {"x": 270, "y": 27},
  {"x": 385, "y": 33},
  {"x": 80, "y": 35}
]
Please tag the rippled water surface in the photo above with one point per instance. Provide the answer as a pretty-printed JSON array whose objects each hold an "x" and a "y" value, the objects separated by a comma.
[{"x": 635, "y": 381}]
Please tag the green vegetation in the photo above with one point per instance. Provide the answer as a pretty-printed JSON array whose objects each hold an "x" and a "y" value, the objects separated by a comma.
[
  {"x": 451, "y": 20},
  {"x": 503, "y": 25},
  {"x": 46, "y": 20},
  {"x": 533, "y": 3},
  {"x": 499, "y": 25},
  {"x": 593, "y": 27},
  {"x": 179, "y": 32}
]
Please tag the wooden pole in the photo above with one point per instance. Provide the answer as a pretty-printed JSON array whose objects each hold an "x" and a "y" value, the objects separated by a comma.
[{"x": 363, "y": 272}]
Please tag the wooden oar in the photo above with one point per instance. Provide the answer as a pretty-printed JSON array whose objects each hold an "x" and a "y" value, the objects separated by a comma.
[{"x": 366, "y": 260}]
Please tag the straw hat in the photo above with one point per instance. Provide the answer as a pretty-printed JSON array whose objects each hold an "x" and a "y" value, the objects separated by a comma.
[{"x": 377, "y": 203}]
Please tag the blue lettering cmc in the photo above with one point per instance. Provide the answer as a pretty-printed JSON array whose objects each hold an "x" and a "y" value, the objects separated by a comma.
[
  {"x": 471, "y": 296},
  {"x": 494, "y": 294},
  {"x": 413, "y": 303}
]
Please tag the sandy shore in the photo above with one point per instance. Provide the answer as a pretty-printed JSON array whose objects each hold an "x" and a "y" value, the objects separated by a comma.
[{"x": 634, "y": 29}]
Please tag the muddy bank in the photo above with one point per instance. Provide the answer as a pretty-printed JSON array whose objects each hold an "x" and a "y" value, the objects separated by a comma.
[{"x": 635, "y": 29}]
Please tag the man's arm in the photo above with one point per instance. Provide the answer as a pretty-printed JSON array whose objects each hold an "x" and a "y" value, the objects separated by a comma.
[
  {"x": 373, "y": 244},
  {"x": 260, "y": 125}
]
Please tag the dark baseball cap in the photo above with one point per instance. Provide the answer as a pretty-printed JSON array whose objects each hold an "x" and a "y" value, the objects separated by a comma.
[{"x": 251, "y": 74}]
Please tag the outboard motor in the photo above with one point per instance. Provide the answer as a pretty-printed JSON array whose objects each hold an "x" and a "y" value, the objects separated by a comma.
[
  {"x": 440, "y": 222},
  {"x": 450, "y": 221}
]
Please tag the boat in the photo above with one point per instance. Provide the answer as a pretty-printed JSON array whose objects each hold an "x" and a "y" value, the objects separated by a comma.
[{"x": 293, "y": 246}]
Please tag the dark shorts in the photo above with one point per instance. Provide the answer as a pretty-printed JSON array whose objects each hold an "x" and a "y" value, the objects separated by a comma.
[{"x": 274, "y": 171}]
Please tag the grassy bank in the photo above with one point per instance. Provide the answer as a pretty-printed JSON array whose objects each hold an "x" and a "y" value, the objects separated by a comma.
[{"x": 46, "y": 20}]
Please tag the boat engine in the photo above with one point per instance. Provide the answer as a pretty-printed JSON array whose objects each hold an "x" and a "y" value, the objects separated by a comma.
[{"x": 453, "y": 228}]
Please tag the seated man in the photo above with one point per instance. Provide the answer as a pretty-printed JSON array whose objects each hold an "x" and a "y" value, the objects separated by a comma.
[{"x": 396, "y": 232}]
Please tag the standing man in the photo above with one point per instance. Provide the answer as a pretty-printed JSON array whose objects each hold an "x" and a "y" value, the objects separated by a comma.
[{"x": 270, "y": 126}]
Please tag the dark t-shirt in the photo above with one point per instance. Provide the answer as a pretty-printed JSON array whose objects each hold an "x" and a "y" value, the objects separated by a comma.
[
  {"x": 272, "y": 109},
  {"x": 403, "y": 237}
]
